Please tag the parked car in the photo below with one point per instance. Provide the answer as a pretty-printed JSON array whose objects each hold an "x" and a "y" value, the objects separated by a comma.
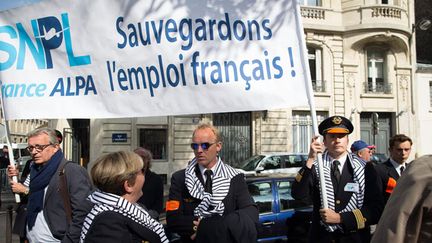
[
  {"x": 281, "y": 217},
  {"x": 20, "y": 152},
  {"x": 274, "y": 163}
]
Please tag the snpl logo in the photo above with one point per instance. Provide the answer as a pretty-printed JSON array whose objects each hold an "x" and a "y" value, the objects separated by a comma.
[{"x": 48, "y": 33}]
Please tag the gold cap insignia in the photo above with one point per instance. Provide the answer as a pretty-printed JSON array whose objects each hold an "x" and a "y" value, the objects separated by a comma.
[{"x": 337, "y": 120}]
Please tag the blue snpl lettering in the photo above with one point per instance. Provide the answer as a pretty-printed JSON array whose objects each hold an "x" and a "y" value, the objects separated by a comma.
[
  {"x": 25, "y": 40},
  {"x": 8, "y": 48},
  {"x": 73, "y": 60}
]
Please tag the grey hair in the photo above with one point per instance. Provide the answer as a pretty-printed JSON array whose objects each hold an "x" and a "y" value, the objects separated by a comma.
[{"x": 51, "y": 133}]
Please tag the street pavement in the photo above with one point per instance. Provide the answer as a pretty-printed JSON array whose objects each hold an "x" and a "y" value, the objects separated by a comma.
[{"x": 8, "y": 200}]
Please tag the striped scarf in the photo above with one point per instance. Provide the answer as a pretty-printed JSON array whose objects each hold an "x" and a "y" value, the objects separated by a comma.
[
  {"x": 110, "y": 202},
  {"x": 210, "y": 203},
  {"x": 356, "y": 200}
]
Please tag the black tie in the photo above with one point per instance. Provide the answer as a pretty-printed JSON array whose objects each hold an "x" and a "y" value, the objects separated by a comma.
[
  {"x": 208, "y": 183},
  {"x": 335, "y": 171},
  {"x": 402, "y": 169}
]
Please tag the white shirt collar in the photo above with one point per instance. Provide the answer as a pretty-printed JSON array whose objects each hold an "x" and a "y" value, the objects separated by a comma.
[
  {"x": 203, "y": 169},
  {"x": 397, "y": 166},
  {"x": 341, "y": 160}
]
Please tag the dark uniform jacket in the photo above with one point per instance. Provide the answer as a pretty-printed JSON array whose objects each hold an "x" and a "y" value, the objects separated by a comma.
[
  {"x": 388, "y": 177},
  {"x": 113, "y": 227},
  {"x": 239, "y": 220},
  {"x": 307, "y": 186}
]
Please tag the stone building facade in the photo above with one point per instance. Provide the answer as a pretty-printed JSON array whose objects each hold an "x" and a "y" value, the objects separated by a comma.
[{"x": 361, "y": 59}]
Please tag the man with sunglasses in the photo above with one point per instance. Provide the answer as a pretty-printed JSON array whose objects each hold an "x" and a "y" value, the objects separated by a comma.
[
  {"x": 209, "y": 200},
  {"x": 47, "y": 208}
]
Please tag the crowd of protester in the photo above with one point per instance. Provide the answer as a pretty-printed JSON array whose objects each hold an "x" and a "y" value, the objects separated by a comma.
[{"x": 120, "y": 199}]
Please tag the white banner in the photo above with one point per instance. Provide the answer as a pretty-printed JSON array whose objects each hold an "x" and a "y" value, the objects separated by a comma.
[{"x": 129, "y": 58}]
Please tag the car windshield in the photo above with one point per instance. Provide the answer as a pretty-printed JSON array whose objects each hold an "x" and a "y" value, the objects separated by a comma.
[{"x": 251, "y": 163}]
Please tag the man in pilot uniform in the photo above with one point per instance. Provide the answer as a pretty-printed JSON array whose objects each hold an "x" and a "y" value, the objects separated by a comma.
[
  {"x": 209, "y": 200},
  {"x": 354, "y": 202}
]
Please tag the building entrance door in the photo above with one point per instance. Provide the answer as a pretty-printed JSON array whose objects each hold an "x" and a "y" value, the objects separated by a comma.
[
  {"x": 235, "y": 129},
  {"x": 375, "y": 128}
]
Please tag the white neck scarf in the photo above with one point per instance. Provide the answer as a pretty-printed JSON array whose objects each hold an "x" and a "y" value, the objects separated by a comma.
[
  {"x": 210, "y": 203},
  {"x": 356, "y": 200},
  {"x": 110, "y": 202}
]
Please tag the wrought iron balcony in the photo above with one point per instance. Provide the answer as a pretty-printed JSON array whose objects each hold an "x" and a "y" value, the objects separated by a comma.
[{"x": 378, "y": 88}]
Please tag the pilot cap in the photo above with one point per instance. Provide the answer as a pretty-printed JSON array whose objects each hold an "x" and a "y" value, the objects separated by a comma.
[{"x": 335, "y": 124}]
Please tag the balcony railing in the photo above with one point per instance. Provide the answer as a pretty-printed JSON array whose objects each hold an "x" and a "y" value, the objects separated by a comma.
[
  {"x": 378, "y": 88},
  {"x": 318, "y": 86},
  {"x": 312, "y": 13},
  {"x": 386, "y": 11}
]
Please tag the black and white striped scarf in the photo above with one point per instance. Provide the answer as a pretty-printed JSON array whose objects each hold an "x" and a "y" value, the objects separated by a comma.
[
  {"x": 356, "y": 200},
  {"x": 110, "y": 202},
  {"x": 211, "y": 203}
]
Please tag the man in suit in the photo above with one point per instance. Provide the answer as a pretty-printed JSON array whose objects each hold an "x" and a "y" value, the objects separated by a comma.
[
  {"x": 354, "y": 202},
  {"x": 209, "y": 200},
  {"x": 390, "y": 171}
]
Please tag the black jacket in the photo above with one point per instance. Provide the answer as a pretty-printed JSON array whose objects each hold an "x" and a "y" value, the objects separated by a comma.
[
  {"x": 308, "y": 188},
  {"x": 386, "y": 171},
  {"x": 240, "y": 215},
  {"x": 152, "y": 197},
  {"x": 113, "y": 227}
]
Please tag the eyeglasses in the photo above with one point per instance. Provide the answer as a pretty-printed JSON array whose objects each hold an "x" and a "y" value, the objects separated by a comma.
[
  {"x": 39, "y": 148},
  {"x": 204, "y": 146}
]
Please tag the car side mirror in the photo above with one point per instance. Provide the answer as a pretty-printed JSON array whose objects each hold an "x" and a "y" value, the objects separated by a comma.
[{"x": 259, "y": 168}]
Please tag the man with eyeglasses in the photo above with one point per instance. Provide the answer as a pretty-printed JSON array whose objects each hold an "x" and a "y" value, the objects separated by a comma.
[
  {"x": 209, "y": 200},
  {"x": 47, "y": 208}
]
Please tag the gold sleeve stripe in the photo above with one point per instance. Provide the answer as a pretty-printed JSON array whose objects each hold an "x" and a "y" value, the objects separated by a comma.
[{"x": 359, "y": 218}]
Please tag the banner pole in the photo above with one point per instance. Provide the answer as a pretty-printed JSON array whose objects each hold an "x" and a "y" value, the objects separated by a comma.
[
  {"x": 310, "y": 94},
  {"x": 10, "y": 149}
]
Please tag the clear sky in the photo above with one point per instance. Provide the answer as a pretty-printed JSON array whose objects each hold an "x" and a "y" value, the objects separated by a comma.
[{"x": 8, "y": 4}]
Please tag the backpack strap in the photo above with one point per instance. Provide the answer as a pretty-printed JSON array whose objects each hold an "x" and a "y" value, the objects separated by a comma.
[{"x": 65, "y": 192}]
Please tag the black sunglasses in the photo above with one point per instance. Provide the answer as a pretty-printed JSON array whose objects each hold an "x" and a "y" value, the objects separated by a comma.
[{"x": 204, "y": 146}]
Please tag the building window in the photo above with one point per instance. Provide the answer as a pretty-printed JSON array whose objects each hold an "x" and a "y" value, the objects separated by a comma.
[
  {"x": 389, "y": 2},
  {"x": 315, "y": 66},
  {"x": 430, "y": 94},
  {"x": 376, "y": 63},
  {"x": 302, "y": 130},
  {"x": 155, "y": 140},
  {"x": 311, "y": 3}
]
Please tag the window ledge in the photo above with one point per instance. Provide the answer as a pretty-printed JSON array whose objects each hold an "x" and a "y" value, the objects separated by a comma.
[
  {"x": 321, "y": 94},
  {"x": 377, "y": 95}
]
